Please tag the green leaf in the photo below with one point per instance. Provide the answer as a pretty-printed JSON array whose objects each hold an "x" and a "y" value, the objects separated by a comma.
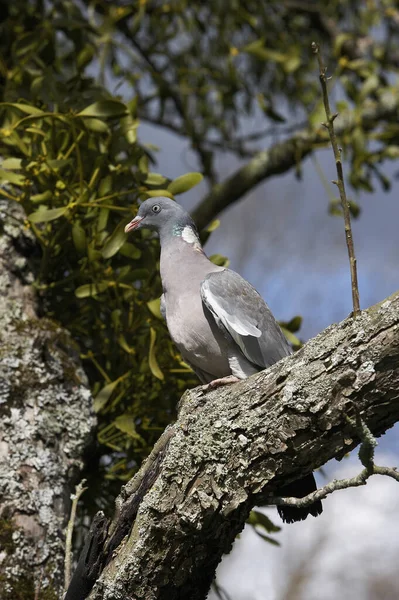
[
  {"x": 155, "y": 179},
  {"x": 130, "y": 251},
  {"x": 258, "y": 49},
  {"x": 220, "y": 260},
  {"x": 10, "y": 177},
  {"x": 212, "y": 226},
  {"x": 43, "y": 215},
  {"x": 104, "y": 395},
  {"x": 91, "y": 289},
  {"x": 126, "y": 424},
  {"x": 25, "y": 108},
  {"x": 104, "y": 108},
  {"x": 105, "y": 186},
  {"x": 296, "y": 342},
  {"x": 116, "y": 241},
  {"x": 267, "y": 538},
  {"x": 159, "y": 193},
  {"x": 129, "y": 128},
  {"x": 96, "y": 125},
  {"x": 184, "y": 183},
  {"x": 12, "y": 163},
  {"x": 152, "y": 360},
  {"x": 58, "y": 164},
  {"x": 294, "y": 325},
  {"x": 79, "y": 238},
  {"x": 43, "y": 197},
  {"x": 155, "y": 307},
  {"x": 258, "y": 518},
  {"x": 354, "y": 208},
  {"x": 292, "y": 63}
]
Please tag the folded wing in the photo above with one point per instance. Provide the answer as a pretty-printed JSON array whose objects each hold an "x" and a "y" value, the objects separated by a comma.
[{"x": 240, "y": 311}]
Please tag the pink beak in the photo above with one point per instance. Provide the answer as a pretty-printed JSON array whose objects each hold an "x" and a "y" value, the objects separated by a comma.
[{"x": 134, "y": 223}]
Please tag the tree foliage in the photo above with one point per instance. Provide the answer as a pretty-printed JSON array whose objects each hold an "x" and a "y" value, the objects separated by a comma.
[{"x": 75, "y": 80}]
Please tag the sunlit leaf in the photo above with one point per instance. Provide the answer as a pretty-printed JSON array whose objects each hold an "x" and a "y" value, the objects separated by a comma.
[
  {"x": 220, "y": 260},
  {"x": 43, "y": 215},
  {"x": 213, "y": 226},
  {"x": 96, "y": 125},
  {"x": 296, "y": 342},
  {"x": 117, "y": 239},
  {"x": 91, "y": 289},
  {"x": 155, "y": 307},
  {"x": 43, "y": 197},
  {"x": 104, "y": 108},
  {"x": 152, "y": 360},
  {"x": 11, "y": 177},
  {"x": 155, "y": 179},
  {"x": 129, "y": 128},
  {"x": 24, "y": 108},
  {"x": 126, "y": 424},
  {"x": 11, "y": 163},
  {"x": 104, "y": 395},
  {"x": 159, "y": 194},
  {"x": 184, "y": 183}
]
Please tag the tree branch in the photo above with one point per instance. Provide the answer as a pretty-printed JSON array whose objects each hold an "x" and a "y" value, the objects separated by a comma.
[
  {"x": 366, "y": 456},
  {"x": 233, "y": 448},
  {"x": 281, "y": 157}
]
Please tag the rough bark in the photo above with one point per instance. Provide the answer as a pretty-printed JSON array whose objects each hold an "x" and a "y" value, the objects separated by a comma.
[
  {"x": 45, "y": 423},
  {"x": 283, "y": 156},
  {"x": 234, "y": 447}
]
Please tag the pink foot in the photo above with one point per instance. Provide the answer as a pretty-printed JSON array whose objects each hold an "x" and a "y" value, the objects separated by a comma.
[{"x": 219, "y": 382}]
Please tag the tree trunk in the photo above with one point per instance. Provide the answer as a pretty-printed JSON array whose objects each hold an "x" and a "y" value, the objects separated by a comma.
[
  {"x": 46, "y": 422},
  {"x": 232, "y": 448}
]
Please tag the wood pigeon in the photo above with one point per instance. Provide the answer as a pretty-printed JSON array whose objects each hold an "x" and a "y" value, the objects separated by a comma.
[{"x": 221, "y": 325}]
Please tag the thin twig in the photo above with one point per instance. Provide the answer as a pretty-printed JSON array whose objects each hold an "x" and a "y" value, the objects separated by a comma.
[
  {"x": 334, "y": 485},
  {"x": 366, "y": 457},
  {"x": 340, "y": 182},
  {"x": 79, "y": 489}
]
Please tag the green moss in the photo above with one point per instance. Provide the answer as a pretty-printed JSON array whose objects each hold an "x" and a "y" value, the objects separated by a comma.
[
  {"x": 22, "y": 588},
  {"x": 7, "y": 528}
]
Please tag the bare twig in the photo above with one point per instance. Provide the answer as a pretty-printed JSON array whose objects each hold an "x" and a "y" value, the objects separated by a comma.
[
  {"x": 366, "y": 457},
  {"x": 79, "y": 489},
  {"x": 340, "y": 182}
]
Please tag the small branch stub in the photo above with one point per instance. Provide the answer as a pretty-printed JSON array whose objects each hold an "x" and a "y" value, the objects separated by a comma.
[
  {"x": 79, "y": 490},
  {"x": 340, "y": 182}
]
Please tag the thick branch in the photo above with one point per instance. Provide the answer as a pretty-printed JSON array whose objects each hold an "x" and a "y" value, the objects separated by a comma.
[
  {"x": 235, "y": 447},
  {"x": 282, "y": 156}
]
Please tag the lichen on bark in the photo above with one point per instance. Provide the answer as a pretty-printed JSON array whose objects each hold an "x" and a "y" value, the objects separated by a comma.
[{"x": 46, "y": 421}]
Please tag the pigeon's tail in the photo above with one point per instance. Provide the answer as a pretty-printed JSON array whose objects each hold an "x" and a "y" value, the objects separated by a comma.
[{"x": 299, "y": 489}]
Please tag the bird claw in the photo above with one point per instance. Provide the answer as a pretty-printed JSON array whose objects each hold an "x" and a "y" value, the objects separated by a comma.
[{"x": 212, "y": 385}]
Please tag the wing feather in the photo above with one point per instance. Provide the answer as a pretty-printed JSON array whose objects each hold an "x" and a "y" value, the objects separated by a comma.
[{"x": 241, "y": 311}]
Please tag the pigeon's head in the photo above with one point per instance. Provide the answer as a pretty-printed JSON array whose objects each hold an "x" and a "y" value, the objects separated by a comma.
[{"x": 159, "y": 214}]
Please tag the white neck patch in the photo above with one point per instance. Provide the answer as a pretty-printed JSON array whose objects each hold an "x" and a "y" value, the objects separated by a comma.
[{"x": 189, "y": 236}]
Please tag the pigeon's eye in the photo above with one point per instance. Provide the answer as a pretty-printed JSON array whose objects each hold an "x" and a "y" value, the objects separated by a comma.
[{"x": 156, "y": 208}]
